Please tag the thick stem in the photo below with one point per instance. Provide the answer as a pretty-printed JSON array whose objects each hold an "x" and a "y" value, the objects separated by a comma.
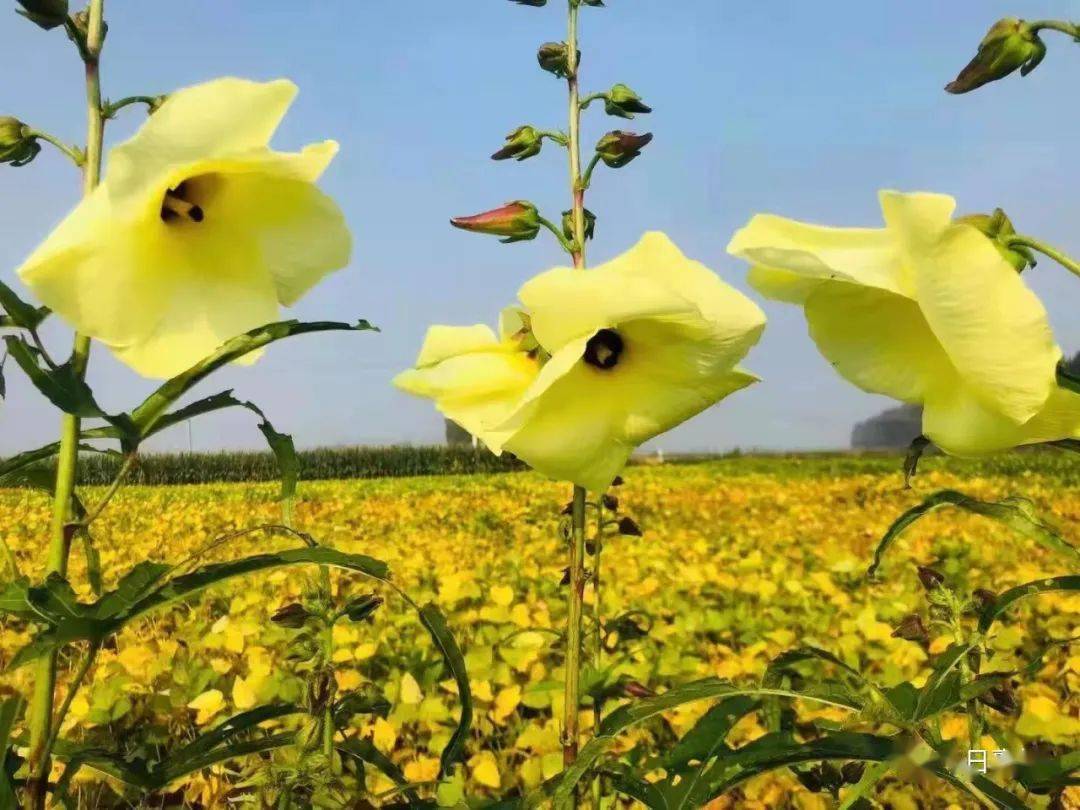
[
  {"x": 574, "y": 146},
  {"x": 1069, "y": 263},
  {"x": 328, "y": 652},
  {"x": 598, "y": 646},
  {"x": 41, "y": 704},
  {"x": 572, "y": 695}
]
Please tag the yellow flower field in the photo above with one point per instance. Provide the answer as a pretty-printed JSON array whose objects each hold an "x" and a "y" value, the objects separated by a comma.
[{"x": 740, "y": 560}]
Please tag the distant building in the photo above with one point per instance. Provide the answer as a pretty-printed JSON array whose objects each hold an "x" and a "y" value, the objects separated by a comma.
[
  {"x": 889, "y": 430},
  {"x": 457, "y": 436}
]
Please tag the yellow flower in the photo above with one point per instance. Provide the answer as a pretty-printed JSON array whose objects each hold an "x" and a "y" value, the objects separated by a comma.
[
  {"x": 595, "y": 363},
  {"x": 474, "y": 377},
  {"x": 198, "y": 232},
  {"x": 927, "y": 311}
]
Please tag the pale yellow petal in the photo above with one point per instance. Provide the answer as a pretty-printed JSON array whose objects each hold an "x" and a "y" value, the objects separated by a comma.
[
  {"x": 916, "y": 220},
  {"x": 300, "y": 232},
  {"x": 443, "y": 342},
  {"x": 960, "y": 424},
  {"x": 220, "y": 117},
  {"x": 791, "y": 259},
  {"x": 877, "y": 341},
  {"x": 994, "y": 329}
]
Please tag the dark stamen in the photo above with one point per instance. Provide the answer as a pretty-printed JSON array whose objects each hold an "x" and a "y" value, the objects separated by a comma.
[
  {"x": 175, "y": 205},
  {"x": 604, "y": 349}
]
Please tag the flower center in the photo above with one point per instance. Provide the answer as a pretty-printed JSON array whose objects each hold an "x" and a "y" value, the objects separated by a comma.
[
  {"x": 604, "y": 349},
  {"x": 177, "y": 205}
]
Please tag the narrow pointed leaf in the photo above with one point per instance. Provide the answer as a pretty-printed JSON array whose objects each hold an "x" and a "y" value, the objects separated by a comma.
[{"x": 434, "y": 622}]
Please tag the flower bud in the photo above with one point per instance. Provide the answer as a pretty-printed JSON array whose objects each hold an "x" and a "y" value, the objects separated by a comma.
[
  {"x": 554, "y": 57},
  {"x": 517, "y": 221},
  {"x": 521, "y": 144},
  {"x": 533, "y": 3},
  {"x": 998, "y": 228},
  {"x": 618, "y": 148},
  {"x": 568, "y": 224},
  {"x": 293, "y": 616},
  {"x": 911, "y": 628},
  {"x": 363, "y": 607},
  {"x": 17, "y": 146},
  {"x": 629, "y": 528},
  {"x": 594, "y": 3},
  {"x": 1010, "y": 45},
  {"x": 983, "y": 599},
  {"x": 930, "y": 578},
  {"x": 636, "y": 689},
  {"x": 47, "y": 14},
  {"x": 1001, "y": 699},
  {"x": 623, "y": 102}
]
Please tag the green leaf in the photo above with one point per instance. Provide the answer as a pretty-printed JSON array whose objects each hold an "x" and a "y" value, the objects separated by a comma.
[
  {"x": 10, "y": 711},
  {"x": 942, "y": 688},
  {"x": 632, "y": 714},
  {"x": 1016, "y": 513},
  {"x": 217, "y": 402},
  {"x": 435, "y": 623},
  {"x": 701, "y": 742},
  {"x": 284, "y": 450},
  {"x": 142, "y": 591},
  {"x": 362, "y": 750},
  {"x": 61, "y": 386},
  {"x": 18, "y": 312},
  {"x": 1050, "y": 774},
  {"x": 154, "y": 407},
  {"x": 981, "y": 788},
  {"x": 1013, "y": 595}
]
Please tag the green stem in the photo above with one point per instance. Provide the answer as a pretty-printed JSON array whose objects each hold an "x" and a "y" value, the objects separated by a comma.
[
  {"x": 572, "y": 690},
  {"x": 572, "y": 698},
  {"x": 585, "y": 102},
  {"x": 586, "y": 181},
  {"x": 76, "y": 684},
  {"x": 1061, "y": 258},
  {"x": 328, "y": 653},
  {"x": 114, "y": 487},
  {"x": 72, "y": 152},
  {"x": 598, "y": 647},
  {"x": 110, "y": 109},
  {"x": 567, "y": 244},
  {"x": 41, "y": 704},
  {"x": 1071, "y": 29}
]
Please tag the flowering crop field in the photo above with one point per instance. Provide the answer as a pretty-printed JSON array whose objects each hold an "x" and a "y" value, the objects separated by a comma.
[{"x": 741, "y": 559}]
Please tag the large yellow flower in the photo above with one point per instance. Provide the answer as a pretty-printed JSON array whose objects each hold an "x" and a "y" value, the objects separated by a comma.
[
  {"x": 198, "y": 232},
  {"x": 603, "y": 361},
  {"x": 925, "y": 310}
]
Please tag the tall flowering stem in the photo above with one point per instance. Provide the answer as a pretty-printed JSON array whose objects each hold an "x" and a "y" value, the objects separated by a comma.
[
  {"x": 572, "y": 690},
  {"x": 41, "y": 706}
]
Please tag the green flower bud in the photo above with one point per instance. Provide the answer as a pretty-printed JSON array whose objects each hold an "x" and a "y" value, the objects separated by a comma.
[
  {"x": 623, "y": 102},
  {"x": 568, "y": 224},
  {"x": 363, "y": 607},
  {"x": 17, "y": 146},
  {"x": 618, "y": 148},
  {"x": 998, "y": 228},
  {"x": 47, "y": 14},
  {"x": 554, "y": 57},
  {"x": 1010, "y": 45},
  {"x": 521, "y": 144},
  {"x": 293, "y": 616},
  {"x": 517, "y": 221}
]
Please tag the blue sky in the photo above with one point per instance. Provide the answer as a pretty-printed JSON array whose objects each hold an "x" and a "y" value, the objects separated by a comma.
[{"x": 803, "y": 109}]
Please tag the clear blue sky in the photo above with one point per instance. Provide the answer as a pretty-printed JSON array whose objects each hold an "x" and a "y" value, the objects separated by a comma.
[{"x": 804, "y": 109}]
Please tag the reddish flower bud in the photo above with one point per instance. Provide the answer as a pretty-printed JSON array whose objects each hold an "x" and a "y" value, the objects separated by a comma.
[
  {"x": 911, "y": 628},
  {"x": 930, "y": 578},
  {"x": 618, "y": 148},
  {"x": 629, "y": 528},
  {"x": 517, "y": 221},
  {"x": 521, "y": 144}
]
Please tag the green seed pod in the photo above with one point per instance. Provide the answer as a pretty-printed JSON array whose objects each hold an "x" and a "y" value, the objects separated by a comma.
[
  {"x": 517, "y": 221},
  {"x": 623, "y": 102},
  {"x": 47, "y": 14},
  {"x": 17, "y": 146},
  {"x": 521, "y": 144},
  {"x": 618, "y": 148},
  {"x": 1009, "y": 45}
]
